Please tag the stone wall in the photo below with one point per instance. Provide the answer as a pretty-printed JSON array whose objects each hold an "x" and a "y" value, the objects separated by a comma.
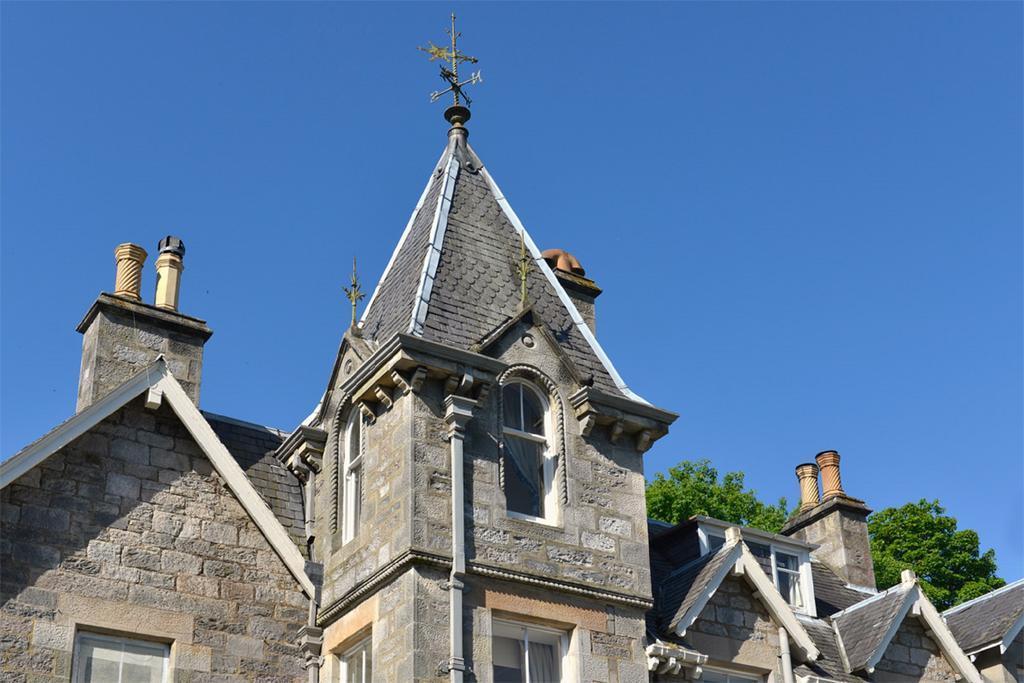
[
  {"x": 601, "y": 538},
  {"x": 735, "y": 628},
  {"x": 129, "y": 529},
  {"x": 384, "y": 532},
  {"x": 913, "y": 656}
]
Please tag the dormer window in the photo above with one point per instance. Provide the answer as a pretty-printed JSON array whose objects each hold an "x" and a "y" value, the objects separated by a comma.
[
  {"x": 788, "y": 567},
  {"x": 529, "y": 460}
]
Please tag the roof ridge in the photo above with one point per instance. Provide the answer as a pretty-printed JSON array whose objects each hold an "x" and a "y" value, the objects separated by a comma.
[{"x": 981, "y": 598}]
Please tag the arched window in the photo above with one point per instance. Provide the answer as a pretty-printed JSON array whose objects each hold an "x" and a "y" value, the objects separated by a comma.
[
  {"x": 352, "y": 477},
  {"x": 530, "y": 460}
]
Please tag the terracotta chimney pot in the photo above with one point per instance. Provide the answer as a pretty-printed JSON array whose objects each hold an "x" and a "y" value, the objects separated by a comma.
[
  {"x": 831, "y": 484},
  {"x": 807, "y": 474},
  {"x": 128, "y": 281}
]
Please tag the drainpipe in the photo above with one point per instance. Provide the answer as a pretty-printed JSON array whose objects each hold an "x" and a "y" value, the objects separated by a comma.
[
  {"x": 458, "y": 412},
  {"x": 311, "y": 638},
  {"x": 784, "y": 659}
]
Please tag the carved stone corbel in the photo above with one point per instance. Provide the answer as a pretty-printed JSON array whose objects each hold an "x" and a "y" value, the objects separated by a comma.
[
  {"x": 367, "y": 412},
  {"x": 644, "y": 439},
  {"x": 615, "y": 433},
  {"x": 401, "y": 386},
  {"x": 418, "y": 377},
  {"x": 383, "y": 398}
]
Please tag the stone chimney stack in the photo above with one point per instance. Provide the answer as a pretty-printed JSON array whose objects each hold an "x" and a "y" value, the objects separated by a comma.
[
  {"x": 122, "y": 334},
  {"x": 837, "y": 523},
  {"x": 582, "y": 290}
]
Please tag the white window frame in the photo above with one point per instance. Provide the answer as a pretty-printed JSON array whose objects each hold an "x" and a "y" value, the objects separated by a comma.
[
  {"x": 550, "y": 498},
  {"x": 363, "y": 647},
  {"x": 732, "y": 676},
  {"x": 803, "y": 558},
  {"x": 78, "y": 667},
  {"x": 501, "y": 628},
  {"x": 352, "y": 469}
]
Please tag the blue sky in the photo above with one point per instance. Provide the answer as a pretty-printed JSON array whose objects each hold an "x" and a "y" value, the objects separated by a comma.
[{"x": 807, "y": 217}]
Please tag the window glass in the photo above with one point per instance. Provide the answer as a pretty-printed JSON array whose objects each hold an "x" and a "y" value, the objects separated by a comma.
[
  {"x": 352, "y": 478},
  {"x": 717, "y": 676},
  {"x": 526, "y": 654},
  {"x": 527, "y": 466},
  {"x": 524, "y": 476},
  {"x": 715, "y": 542},
  {"x": 788, "y": 572},
  {"x": 357, "y": 664},
  {"x": 108, "y": 659}
]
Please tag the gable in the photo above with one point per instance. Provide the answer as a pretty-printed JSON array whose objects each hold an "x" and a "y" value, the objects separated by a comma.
[
  {"x": 912, "y": 653},
  {"x": 155, "y": 387},
  {"x": 129, "y": 527},
  {"x": 735, "y": 612}
]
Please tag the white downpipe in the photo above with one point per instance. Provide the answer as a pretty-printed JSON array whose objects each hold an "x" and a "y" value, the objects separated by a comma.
[{"x": 784, "y": 657}]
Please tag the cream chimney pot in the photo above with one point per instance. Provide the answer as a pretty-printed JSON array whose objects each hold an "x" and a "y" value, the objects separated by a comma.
[
  {"x": 128, "y": 281},
  {"x": 807, "y": 474},
  {"x": 831, "y": 484},
  {"x": 168, "y": 272}
]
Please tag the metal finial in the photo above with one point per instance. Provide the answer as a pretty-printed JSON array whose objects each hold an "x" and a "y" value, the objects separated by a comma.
[
  {"x": 354, "y": 293},
  {"x": 450, "y": 75},
  {"x": 523, "y": 268}
]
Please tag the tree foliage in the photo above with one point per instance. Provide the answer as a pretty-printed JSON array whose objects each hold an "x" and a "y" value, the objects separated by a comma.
[
  {"x": 693, "y": 488},
  {"x": 948, "y": 562}
]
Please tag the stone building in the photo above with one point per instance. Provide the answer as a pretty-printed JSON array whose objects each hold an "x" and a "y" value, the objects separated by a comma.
[{"x": 465, "y": 503}]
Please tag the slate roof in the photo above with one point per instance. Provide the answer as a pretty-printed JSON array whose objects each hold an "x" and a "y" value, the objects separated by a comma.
[
  {"x": 985, "y": 621},
  {"x": 475, "y": 287},
  {"x": 682, "y": 589},
  {"x": 830, "y": 662},
  {"x": 252, "y": 446},
  {"x": 863, "y": 626},
  {"x": 831, "y": 593}
]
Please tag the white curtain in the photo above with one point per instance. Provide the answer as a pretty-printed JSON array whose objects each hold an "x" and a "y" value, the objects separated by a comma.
[{"x": 543, "y": 667}]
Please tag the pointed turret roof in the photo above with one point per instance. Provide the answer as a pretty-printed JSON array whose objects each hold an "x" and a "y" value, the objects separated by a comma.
[{"x": 453, "y": 277}]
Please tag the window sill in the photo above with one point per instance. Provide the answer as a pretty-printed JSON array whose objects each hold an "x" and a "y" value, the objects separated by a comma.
[{"x": 530, "y": 518}]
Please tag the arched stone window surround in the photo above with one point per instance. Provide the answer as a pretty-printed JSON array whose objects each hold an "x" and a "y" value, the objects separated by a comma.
[{"x": 544, "y": 384}]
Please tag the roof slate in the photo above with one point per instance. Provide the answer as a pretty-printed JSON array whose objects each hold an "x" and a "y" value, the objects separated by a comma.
[
  {"x": 863, "y": 627},
  {"x": 985, "y": 621},
  {"x": 681, "y": 590},
  {"x": 475, "y": 287},
  {"x": 252, "y": 446},
  {"x": 390, "y": 310},
  {"x": 829, "y": 663},
  {"x": 831, "y": 593}
]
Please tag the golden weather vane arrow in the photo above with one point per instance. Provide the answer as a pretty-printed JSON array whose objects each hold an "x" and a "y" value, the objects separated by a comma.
[
  {"x": 354, "y": 293},
  {"x": 453, "y": 56}
]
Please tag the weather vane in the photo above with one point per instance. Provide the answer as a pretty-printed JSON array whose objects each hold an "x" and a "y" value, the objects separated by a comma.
[
  {"x": 453, "y": 57},
  {"x": 523, "y": 269},
  {"x": 354, "y": 293}
]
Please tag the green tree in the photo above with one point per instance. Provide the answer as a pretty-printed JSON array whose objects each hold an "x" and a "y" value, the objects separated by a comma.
[
  {"x": 948, "y": 562},
  {"x": 693, "y": 488}
]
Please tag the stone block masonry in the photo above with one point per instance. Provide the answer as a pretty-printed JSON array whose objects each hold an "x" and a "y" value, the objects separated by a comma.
[{"x": 129, "y": 530}]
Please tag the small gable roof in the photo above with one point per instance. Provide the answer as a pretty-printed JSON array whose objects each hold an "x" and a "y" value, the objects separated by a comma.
[
  {"x": 684, "y": 594},
  {"x": 865, "y": 630},
  {"x": 157, "y": 382},
  {"x": 992, "y": 619}
]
